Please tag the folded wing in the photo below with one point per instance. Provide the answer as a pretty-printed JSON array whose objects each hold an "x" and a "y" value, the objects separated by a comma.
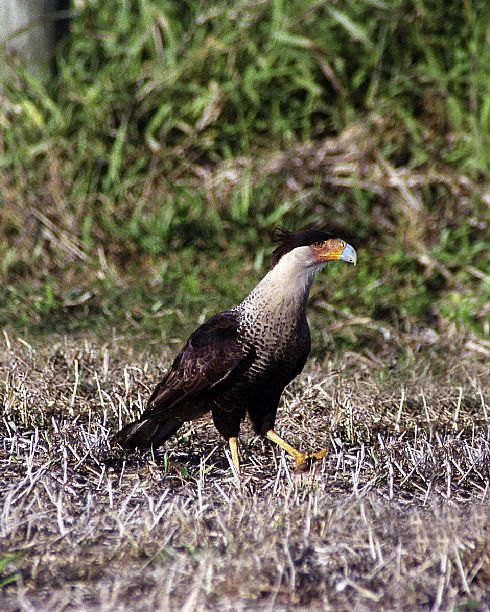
[
  {"x": 211, "y": 360},
  {"x": 207, "y": 361}
]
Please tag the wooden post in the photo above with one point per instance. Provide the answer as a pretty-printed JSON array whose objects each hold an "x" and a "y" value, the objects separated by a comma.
[{"x": 25, "y": 31}]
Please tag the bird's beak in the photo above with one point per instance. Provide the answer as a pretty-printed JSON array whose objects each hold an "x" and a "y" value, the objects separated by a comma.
[
  {"x": 337, "y": 250},
  {"x": 349, "y": 254}
]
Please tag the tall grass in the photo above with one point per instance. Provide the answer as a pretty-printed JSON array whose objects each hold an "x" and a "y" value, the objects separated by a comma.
[{"x": 151, "y": 140}]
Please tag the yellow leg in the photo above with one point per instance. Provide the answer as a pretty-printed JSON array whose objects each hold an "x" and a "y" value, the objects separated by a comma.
[
  {"x": 299, "y": 457},
  {"x": 233, "y": 442}
]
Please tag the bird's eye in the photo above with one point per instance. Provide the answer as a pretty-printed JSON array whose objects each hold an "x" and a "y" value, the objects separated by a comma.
[{"x": 319, "y": 244}]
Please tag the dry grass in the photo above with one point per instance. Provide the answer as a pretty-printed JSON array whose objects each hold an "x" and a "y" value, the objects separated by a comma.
[{"x": 395, "y": 517}]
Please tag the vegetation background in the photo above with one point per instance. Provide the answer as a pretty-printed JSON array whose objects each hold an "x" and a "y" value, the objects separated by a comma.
[
  {"x": 141, "y": 180},
  {"x": 148, "y": 173}
]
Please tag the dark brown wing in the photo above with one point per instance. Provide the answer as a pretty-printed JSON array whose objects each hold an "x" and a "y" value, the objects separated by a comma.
[{"x": 211, "y": 356}]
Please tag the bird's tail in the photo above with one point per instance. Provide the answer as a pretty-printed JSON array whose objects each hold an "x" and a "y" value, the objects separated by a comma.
[{"x": 143, "y": 434}]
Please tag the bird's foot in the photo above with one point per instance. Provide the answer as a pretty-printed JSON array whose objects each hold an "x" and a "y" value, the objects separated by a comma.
[{"x": 305, "y": 460}]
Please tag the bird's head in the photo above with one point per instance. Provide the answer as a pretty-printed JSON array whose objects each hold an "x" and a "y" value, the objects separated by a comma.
[{"x": 312, "y": 248}]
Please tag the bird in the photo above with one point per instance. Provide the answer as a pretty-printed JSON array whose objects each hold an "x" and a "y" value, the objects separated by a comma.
[{"x": 239, "y": 361}]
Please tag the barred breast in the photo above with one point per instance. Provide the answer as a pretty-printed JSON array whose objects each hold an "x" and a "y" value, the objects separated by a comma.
[{"x": 280, "y": 338}]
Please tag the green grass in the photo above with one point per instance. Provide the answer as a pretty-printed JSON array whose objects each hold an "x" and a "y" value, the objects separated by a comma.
[{"x": 152, "y": 167}]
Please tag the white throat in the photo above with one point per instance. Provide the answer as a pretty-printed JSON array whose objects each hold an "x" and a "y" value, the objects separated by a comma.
[{"x": 286, "y": 287}]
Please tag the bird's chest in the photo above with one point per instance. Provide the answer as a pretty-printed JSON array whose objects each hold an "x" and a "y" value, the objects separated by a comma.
[{"x": 279, "y": 340}]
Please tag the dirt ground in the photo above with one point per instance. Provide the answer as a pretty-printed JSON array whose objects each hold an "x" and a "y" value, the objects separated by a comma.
[{"x": 395, "y": 517}]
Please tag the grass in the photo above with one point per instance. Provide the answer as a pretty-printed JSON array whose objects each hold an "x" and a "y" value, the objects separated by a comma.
[
  {"x": 396, "y": 515},
  {"x": 179, "y": 135},
  {"x": 140, "y": 185}
]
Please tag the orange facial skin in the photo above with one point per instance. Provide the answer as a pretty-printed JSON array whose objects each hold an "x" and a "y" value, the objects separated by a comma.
[{"x": 328, "y": 250}]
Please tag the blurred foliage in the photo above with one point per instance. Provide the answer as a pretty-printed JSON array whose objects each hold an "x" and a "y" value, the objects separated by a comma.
[{"x": 146, "y": 168}]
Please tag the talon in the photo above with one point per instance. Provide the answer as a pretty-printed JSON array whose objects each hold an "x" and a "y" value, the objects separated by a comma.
[
  {"x": 303, "y": 460},
  {"x": 300, "y": 459},
  {"x": 306, "y": 460},
  {"x": 319, "y": 455}
]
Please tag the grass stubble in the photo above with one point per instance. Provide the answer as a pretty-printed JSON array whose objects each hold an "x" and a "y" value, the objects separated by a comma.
[{"x": 396, "y": 516}]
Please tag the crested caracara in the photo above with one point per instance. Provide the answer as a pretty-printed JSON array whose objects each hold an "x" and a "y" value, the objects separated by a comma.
[{"x": 239, "y": 361}]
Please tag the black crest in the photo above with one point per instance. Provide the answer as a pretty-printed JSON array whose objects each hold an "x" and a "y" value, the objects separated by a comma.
[{"x": 290, "y": 240}]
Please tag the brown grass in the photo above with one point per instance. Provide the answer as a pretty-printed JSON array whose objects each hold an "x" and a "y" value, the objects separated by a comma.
[{"x": 396, "y": 516}]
